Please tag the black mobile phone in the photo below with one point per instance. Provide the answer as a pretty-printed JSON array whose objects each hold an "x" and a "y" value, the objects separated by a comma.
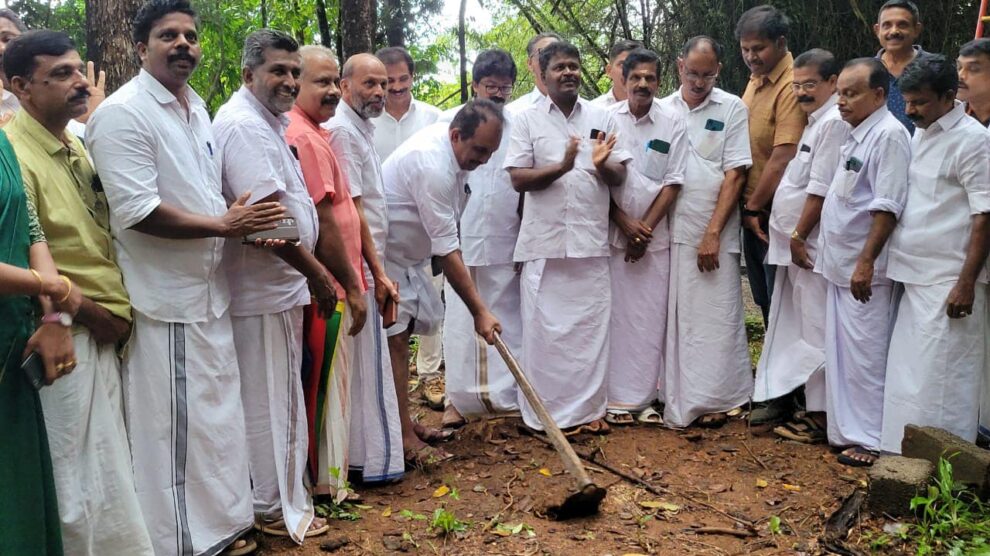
[
  {"x": 286, "y": 230},
  {"x": 595, "y": 132},
  {"x": 34, "y": 370}
]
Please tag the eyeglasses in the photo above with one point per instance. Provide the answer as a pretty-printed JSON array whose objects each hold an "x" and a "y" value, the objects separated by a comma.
[
  {"x": 492, "y": 89},
  {"x": 807, "y": 86},
  {"x": 691, "y": 76}
]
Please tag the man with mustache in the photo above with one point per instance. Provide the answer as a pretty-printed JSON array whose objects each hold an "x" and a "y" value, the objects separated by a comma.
[
  {"x": 376, "y": 431},
  {"x": 897, "y": 29},
  {"x": 794, "y": 346},
  {"x": 706, "y": 360},
  {"x": 639, "y": 263},
  {"x": 864, "y": 201},
  {"x": 616, "y": 56},
  {"x": 157, "y": 157},
  {"x": 83, "y": 413},
  {"x": 563, "y": 155},
  {"x": 533, "y": 49},
  {"x": 269, "y": 286},
  {"x": 974, "y": 79},
  {"x": 775, "y": 127},
  {"x": 478, "y": 382},
  {"x": 938, "y": 251},
  {"x": 426, "y": 189}
]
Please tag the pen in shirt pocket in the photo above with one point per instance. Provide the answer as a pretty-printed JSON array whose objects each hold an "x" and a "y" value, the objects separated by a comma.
[{"x": 209, "y": 147}]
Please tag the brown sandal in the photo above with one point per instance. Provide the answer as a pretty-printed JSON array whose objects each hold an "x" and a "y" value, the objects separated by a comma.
[{"x": 598, "y": 426}]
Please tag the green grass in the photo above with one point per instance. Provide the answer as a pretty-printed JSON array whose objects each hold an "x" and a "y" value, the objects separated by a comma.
[
  {"x": 754, "y": 334},
  {"x": 445, "y": 523},
  {"x": 951, "y": 519}
]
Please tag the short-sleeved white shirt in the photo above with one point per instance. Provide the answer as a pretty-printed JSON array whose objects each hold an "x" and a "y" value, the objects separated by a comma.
[
  {"x": 490, "y": 222},
  {"x": 948, "y": 183},
  {"x": 872, "y": 175},
  {"x": 605, "y": 100},
  {"x": 390, "y": 133},
  {"x": 568, "y": 219},
  {"x": 148, "y": 150},
  {"x": 718, "y": 130},
  {"x": 426, "y": 191},
  {"x": 660, "y": 148},
  {"x": 525, "y": 101},
  {"x": 255, "y": 158},
  {"x": 810, "y": 172}
]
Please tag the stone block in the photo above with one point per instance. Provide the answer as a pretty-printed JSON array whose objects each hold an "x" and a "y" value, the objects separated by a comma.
[
  {"x": 970, "y": 463},
  {"x": 894, "y": 481}
]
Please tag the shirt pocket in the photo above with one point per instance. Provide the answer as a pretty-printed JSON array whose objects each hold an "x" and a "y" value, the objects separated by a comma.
[
  {"x": 710, "y": 144},
  {"x": 655, "y": 164},
  {"x": 844, "y": 183}
]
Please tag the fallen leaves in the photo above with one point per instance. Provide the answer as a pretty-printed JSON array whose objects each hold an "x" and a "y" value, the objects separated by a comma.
[
  {"x": 441, "y": 491},
  {"x": 762, "y": 483},
  {"x": 545, "y": 472}
]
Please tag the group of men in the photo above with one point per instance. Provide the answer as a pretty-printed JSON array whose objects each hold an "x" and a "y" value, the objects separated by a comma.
[{"x": 251, "y": 283}]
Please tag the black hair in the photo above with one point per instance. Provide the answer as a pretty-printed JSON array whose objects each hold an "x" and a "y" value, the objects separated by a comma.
[
  {"x": 474, "y": 113},
  {"x": 531, "y": 45},
  {"x": 976, "y": 47},
  {"x": 559, "y": 48},
  {"x": 151, "y": 12},
  {"x": 637, "y": 57},
  {"x": 493, "y": 63},
  {"x": 932, "y": 70},
  {"x": 20, "y": 58},
  {"x": 622, "y": 46},
  {"x": 824, "y": 60},
  {"x": 764, "y": 21},
  {"x": 253, "y": 54},
  {"x": 698, "y": 40},
  {"x": 904, "y": 5},
  {"x": 879, "y": 76},
  {"x": 396, "y": 55},
  {"x": 12, "y": 17}
]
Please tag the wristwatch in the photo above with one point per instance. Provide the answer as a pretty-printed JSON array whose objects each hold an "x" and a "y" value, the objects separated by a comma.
[
  {"x": 65, "y": 319},
  {"x": 748, "y": 212},
  {"x": 797, "y": 236}
]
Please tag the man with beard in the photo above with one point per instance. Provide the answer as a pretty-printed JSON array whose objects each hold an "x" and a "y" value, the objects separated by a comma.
[
  {"x": 533, "y": 49},
  {"x": 794, "y": 345},
  {"x": 706, "y": 362},
  {"x": 478, "y": 382},
  {"x": 863, "y": 203},
  {"x": 426, "y": 189},
  {"x": 897, "y": 29},
  {"x": 563, "y": 155},
  {"x": 269, "y": 286},
  {"x": 938, "y": 252},
  {"x": 155, "y": 152},
  {"x": 640, "y": 240},
  {"x": 83, "y": 413},
  {"x": 375, "y": 431},
  {"x": 616, "y": 56}
]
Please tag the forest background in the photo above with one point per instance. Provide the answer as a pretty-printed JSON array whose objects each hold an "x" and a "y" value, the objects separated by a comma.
[{"x": 443, "y": 54}]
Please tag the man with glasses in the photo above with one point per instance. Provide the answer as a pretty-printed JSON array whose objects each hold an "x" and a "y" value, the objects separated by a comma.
[
  {"x": 533, "y": 49},
  {"x": 706, "y": 364},
  {"x": 794, "y": 345}
]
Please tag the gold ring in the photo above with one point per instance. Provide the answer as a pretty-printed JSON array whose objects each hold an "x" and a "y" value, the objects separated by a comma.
[
  {"x": 636, "y": 240},
  {"x": 59, "y": 366}
]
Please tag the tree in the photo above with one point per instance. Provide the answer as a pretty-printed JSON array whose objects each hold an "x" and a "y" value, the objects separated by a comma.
[
  {"x": 108, "y": 39},
  {"x": 358, "y": 17}
]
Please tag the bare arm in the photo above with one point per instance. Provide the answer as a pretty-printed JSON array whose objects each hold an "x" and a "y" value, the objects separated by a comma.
[
  {"x": 728, "y": 201},
  {"x": 661, "y": 205},
  {"x": 239, "y": 220},
  {"x": 383, "y": 285},
  {"x": 811, "y": 214},
  {"x": 770, "y": 178},
  {"x": 961, "y": 298},
  {"x": 537, "y": 179},
  {"x": 862, "y": 278},
  {"x": 456, "y": 273}
]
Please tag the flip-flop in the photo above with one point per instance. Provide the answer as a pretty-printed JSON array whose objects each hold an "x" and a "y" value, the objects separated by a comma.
[
  {"x": 425, "y": 457},
  {"x": 240, "y": 547},
  {"x": 800, "y": 432},
  {"x": 712, "y": 420},
  {"x": 650, "y": 416},
  {"x": 598, "y": 426},
  {"x": 847, "y": 458},
  {"x": 277, "y": 528},
  {"x": 431, "y": 435},
  {"x": 619, "y": 417}
]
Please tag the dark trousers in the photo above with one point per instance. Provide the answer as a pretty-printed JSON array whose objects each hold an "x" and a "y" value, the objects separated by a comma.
[{"x": 761, "y": 276}]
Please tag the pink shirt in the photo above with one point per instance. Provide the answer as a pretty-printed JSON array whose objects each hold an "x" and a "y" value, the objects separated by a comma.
[{"x": 324, "y": 178}]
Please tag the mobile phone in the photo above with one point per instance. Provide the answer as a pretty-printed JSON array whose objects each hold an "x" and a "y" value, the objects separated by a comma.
[
  {"x": 286, "y": 230},
  {"x": 34, "y": 369},
  {"x": 390, "y": 312},
  {"x": 595, "y": 132}
]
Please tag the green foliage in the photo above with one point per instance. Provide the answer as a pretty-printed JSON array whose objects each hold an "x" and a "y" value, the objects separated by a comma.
[
  {"x": 952, "y": 520},
  {"x": 68, "y": 16},
  {"x": 755, "y": 333},
  {"x": 445, "y": 523},
  {"x": 411, "y": 515},
  {"x": 774, "y": 525}
]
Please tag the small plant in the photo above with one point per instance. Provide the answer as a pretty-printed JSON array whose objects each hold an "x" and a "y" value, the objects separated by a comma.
[
  {"x": 774, "y": 525},
  {"x": 445, "y": 523},
  {"x": 411, "y": 515},
  {"x": 337, "y": 508},
  {"x": 952, "y": 520}
]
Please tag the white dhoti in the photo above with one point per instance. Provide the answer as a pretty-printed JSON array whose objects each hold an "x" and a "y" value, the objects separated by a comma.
[
  {"x": 478, "y": 382},
  {"x": 794, "y": 345},
  {"x": 376, "y": 433},
  {"x": 91, "y": 460},
  {"x": 565, "y": 315},
  {"x": 185, "y": 422},
  {"x": 707, "y": 367},
  {"x": 430, "y": 354},
  {"x": 420, "y": 304},
  {"x": 269, "y": 355},
  {"x": 639, "y": 324},
  {"x": 934, "y": 366},
  {"x": 856, "y": 340}
]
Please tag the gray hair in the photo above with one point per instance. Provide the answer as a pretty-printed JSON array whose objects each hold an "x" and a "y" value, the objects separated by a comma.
[
  {"x": 257, "y": 42},
  {"x": 316, "y": 50}
]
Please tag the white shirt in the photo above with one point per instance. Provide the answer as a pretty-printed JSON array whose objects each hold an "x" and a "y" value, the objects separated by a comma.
[
  {"x": 659, "y": 146},
  {"x": 810, "y": 172},
  {"x": 426, "y": 191},
  {"x": 390, "y": 133},
  {"x": 255, "y": 158},
  {"x": 525, "y": 101},
  {"x": 718, "y": 130},
  {"x": 148, "y": 150},
  {"x": 872, "y": 175},
  {"x": 606, "y": 100},
  {"x": 568, "y": 219},
  {"x": 948, "y": 183},
  {"x": 490, "y": 222},
  {"x": 9, "y": 102}
]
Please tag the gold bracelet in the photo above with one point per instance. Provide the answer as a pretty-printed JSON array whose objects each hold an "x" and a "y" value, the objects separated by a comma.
[
  {"x": 67, "y": 283},
  {"x": 41, "y": 281}
]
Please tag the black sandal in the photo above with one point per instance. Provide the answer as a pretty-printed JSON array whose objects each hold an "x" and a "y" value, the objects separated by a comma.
[{"x": 853, "y": 457}]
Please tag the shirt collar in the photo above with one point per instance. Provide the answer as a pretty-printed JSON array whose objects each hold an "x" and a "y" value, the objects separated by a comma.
[
  {"x": 650, "y": 115},
  {"x": 298, "y": 114},
  {"x": 36, "y": 131},
  {"x": 163, "y": 95},
  {"x": 549, "y": 105},
  {"x": 917, "y": 50},
  {"x": 277, "y": 123},
  {"x": 823, "y": 109},
  {"x": 365, "y": 126},
  {"x": 951, "y": 118},
  {"x": 713, "y": 96},
  {"x": 863, "y": 129},
  {"x": 777, "y": 72}
]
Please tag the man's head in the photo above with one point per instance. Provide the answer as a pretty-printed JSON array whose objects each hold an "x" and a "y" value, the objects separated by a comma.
[
  {"x": 164, "y": 33},
  {"x": 898, "y": 25},
  {"x": 493, "y": 76},
  {"x": 863, "y": 86},
  {"x": 815, "y": 74},
  {"x": 640, "y": 77},
  {"x": 533, "y": 49},
  {"x": 929, "y": 87},
  {"x": 362, "y": 85},
  {"x": 401, "y": 71},
  {"x": 11, "y": 27},
  {"x": 616, "y": 56},
  {"x": 47, "y": 75},
  {"x": 475, "y": 132},
  {"x": 270, "y": 66},
  {"x": 319, "y": 83},
  {"x": 697, "y": 67},
  {"x": 560, "y": 66},
  {"x": 974, "y": 72},
  {"x": 762, "y": 34}
]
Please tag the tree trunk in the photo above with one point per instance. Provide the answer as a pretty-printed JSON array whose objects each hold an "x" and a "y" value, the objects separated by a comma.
[
  {"x": 108, "y": 39},
  {"x": 358, "y": 18},
  {"x": 463, "y": 51},
  {"x": 395, "y": 23},
  {"x": 326, "y": 36},
  {"x": 264, "y": 14}
]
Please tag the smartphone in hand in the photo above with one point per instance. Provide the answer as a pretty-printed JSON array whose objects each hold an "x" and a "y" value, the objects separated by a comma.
[
  {"x": 390, "y": 312},
  {"x": 34, "y": 369}
]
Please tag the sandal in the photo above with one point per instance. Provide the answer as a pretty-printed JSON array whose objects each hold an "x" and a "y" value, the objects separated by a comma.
[
  {"x": 619, "y": 417},
  {"x": 650, "y": 416},
  {"x": 277, "y": 527},
  {"x": 431, "y": 435},
  {"x": 598, "y": 426},
  {"x": 425, "y": 457},
  {"x": 857, "y": 456},
  {"x": 712, "y": 420},
  {"x": 800, "y": 431},
  {"x": 452, "y": 419},
  {"x": 240, "y": 547}
]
